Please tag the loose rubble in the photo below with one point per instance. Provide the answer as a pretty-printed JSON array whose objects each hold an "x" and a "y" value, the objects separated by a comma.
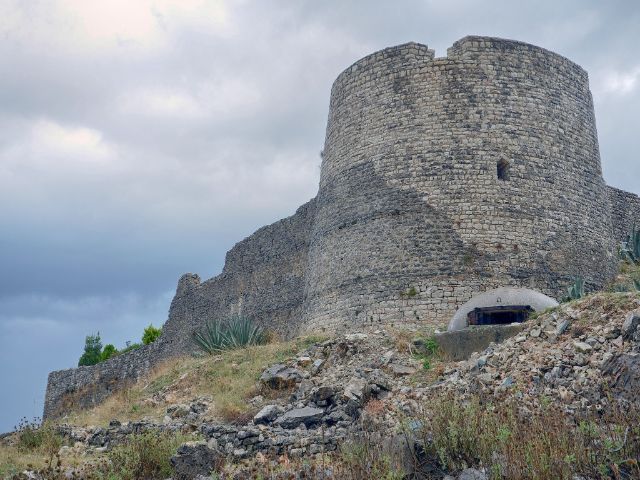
[
  {"x": 576, "y": 358},
  {"x": 323, "y": 396}
]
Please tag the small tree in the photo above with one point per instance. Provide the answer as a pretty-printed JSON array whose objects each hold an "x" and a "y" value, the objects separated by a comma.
[
  {"x": 108, "y": 351},
  {"x": 92, "y": 350},
  {"x": 151, "y": 334}
]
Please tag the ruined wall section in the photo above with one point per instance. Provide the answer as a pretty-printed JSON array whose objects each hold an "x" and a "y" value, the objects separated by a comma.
[
  {"x": 411, "y": 217},
  {"x": 625, "y": 213},
  {"x": 262, "y": 279}
]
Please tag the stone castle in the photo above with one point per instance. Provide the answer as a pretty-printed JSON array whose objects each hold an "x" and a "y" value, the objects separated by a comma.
[{"x": 441, "y": 178}]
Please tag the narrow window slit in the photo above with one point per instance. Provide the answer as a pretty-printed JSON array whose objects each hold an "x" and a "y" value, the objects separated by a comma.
[{"x": 503, "y": 170}]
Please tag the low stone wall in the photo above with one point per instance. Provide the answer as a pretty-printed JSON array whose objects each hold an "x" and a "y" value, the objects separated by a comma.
[
  {"x": 83, "y": 387},
  {"x": 460, "y": 344}
]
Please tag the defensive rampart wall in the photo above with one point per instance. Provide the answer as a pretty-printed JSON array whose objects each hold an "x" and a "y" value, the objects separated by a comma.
[{"x": 441, "y": 178}]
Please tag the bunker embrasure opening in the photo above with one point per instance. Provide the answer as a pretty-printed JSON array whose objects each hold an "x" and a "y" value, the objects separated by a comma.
[{"x": 499, "y": 315}]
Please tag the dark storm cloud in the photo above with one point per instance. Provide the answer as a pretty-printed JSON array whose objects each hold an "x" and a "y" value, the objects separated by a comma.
[{"x": 140, "y": 140}]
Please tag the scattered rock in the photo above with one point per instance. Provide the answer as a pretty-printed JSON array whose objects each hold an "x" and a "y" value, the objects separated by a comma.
[
  {"x": 631, "y": 323},
  {"x": 267, "y": 415},
  {"x": 401, "y": 370},
  {"x": 322, "y": 396},
  {"x": 193, "y": 459},
  {"x": 354, "y": 337},
  {"x": 307, "y": 415},
  {"x": 472, "y": 474},
  {"x": 304, "y": 361},
  {"x": 624, "y": 375},
  {"x": 280, "y": 376},
  {"x": 317, "y": 365},
  {"x": 178, "y": 411},
  {"x": 355, "y": 389},
  {"x": 582, "y": 347},
  {"x": 562, "y": 327}
]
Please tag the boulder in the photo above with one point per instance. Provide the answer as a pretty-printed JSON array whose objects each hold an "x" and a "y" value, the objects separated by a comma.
[
  {"x": 323, "y": 395},
  {"x": 280, "y": 376},
  {"x": 582, "y": 347},
  {"x": 355, "y": 389},
  {"x": 193, "y": 459},
  {"x": 472, "y": 474},
  {"x": 624, "y": 376},
  {"x": 401, "y": 370},
  {"x": 630, "y": 324},
  {"x": 293, "y": 418},
  {"x": 267, "y": 415},
  {"x": 178, "y": 411}
]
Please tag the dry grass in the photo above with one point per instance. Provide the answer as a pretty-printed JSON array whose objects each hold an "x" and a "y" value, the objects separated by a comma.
[
  {"x": 541, "y": 445},
  {"x": 13, "y": 460},
  {"x": 228, "y": 379}
]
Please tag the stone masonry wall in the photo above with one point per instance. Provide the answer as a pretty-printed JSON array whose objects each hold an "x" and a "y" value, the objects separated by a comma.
[
  {"x": 262, "y": 279},
  {"x": 625, "y": 213},
  {"x": 411, "y": 219},
  {"x": 410, "y": 200}
]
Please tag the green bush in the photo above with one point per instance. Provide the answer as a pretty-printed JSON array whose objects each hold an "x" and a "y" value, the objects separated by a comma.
[
  {"x": 130, "y": 346},
  {"x": 430, "y": 350},
  {"x": 92, "y": 350},
  {"x": 108, "y": 351},
  {"x": 236, "y": 332},
  {"x": 151, "y": 334}
]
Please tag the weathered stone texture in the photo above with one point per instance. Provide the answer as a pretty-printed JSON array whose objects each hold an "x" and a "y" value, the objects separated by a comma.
[
  {"x": 411, "y": 219},
  {"x": 625, "y": 213},
  {"x": 410, "y": 196}
]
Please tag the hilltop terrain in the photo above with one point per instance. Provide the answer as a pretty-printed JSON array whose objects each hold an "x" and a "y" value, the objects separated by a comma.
[{"x": 555, "y": 401}]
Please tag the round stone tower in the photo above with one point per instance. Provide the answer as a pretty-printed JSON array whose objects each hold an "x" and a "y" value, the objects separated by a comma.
[{"x": 445, "y": 177}]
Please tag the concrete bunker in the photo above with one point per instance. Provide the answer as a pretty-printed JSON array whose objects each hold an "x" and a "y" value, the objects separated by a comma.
[
  {"x": 514, "y": 299},
  {"x": 491, "y": 316}
]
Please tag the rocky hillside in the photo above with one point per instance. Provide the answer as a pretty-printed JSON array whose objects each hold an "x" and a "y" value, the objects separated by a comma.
[{"x": 373, "y": 405}]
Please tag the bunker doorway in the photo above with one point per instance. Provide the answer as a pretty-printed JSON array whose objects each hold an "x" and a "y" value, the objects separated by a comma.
[{"x": 499, "y": 315}]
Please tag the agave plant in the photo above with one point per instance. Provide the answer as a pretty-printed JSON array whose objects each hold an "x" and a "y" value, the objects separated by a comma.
[
  {"x": 236, "y": 332},
  {"x": 211, "y": 339},
  {"x": 636, "y": 284},
  {"x": 630, "y": 249},
  {"x": 576, "y": 290},
  {"x": 242, "y": 332}
]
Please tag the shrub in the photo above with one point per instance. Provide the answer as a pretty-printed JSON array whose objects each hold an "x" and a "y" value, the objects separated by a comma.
[
  {"x": 108, "y": 351},
  {"x": 92, "y": 350},
  {"x": 236, "y": 332},
  {"x": 151, "y": 334},
  {"x": 130, "y": 346},
  {"x": 35, "y": 436},
  {"x": 145, "y": 455},
  {"x": 430, "y": 349}
]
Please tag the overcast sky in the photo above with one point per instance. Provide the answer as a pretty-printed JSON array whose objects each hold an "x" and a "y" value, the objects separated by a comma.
[{"x": 141, "y": 139}]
